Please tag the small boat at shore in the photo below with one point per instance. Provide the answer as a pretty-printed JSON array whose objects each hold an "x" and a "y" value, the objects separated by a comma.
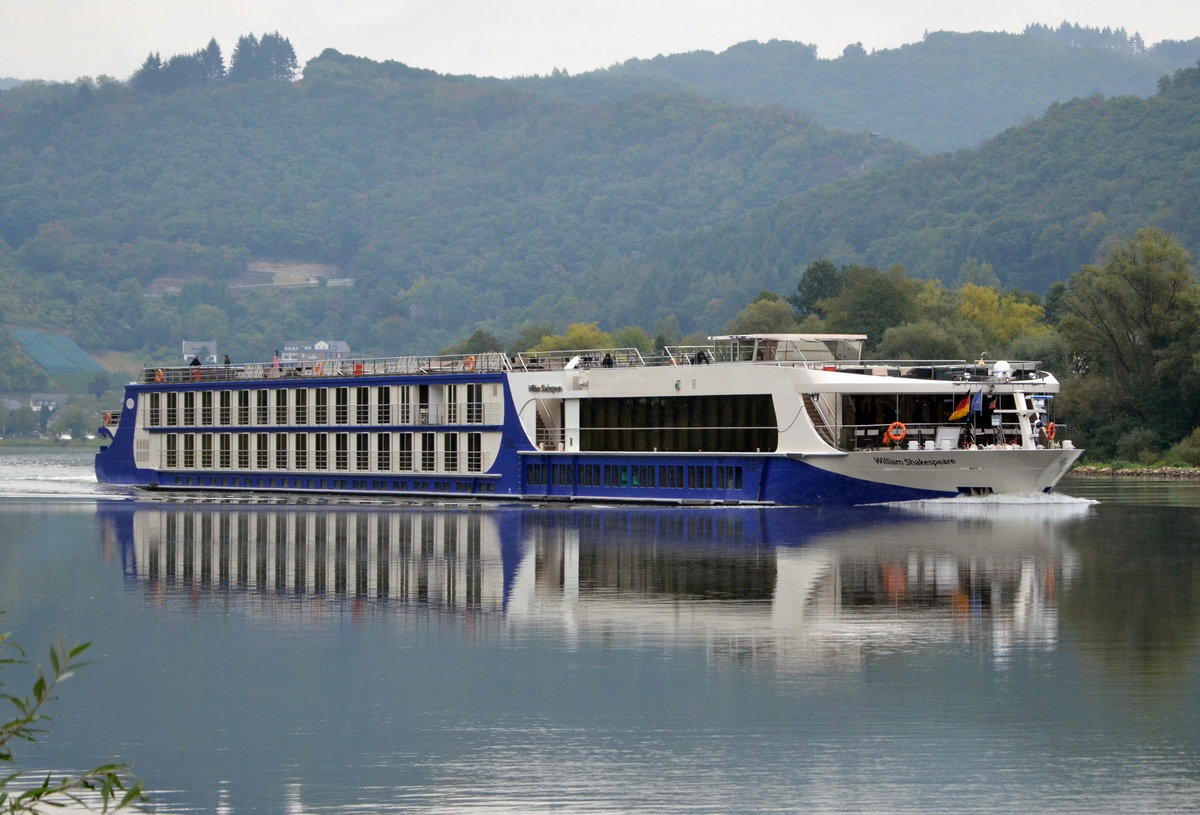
[{"x": 758, "y": 419}]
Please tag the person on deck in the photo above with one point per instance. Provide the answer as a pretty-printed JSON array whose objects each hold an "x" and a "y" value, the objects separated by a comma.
[{"x": 195, "y": 361}]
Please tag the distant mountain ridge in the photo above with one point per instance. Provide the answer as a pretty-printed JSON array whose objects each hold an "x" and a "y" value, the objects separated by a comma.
[{"x": 946, "y": 92}]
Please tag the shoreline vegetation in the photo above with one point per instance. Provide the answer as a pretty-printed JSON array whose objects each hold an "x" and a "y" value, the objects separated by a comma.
[{"x": 1126, "y": 469}]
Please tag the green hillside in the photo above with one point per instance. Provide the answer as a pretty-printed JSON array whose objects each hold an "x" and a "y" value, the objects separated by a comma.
[
  {"x": 448, "y": 202},
  {"x": 1036, "y": 202}
]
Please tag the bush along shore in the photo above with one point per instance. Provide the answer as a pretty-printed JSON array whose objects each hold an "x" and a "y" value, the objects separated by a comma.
[{"x": 1129, "y": 470}]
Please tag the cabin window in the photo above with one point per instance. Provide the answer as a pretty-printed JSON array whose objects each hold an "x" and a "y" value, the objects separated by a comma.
[
  {"x": 302, "y": 406},
  {"x": 405, "y": 405},
  {"x": 261, "y": 415},
  {"x": 341, "y": 405},
  {"x": 474, "y": 452},
  {"x": 362, "y": 405},
  {"x": 243, "y": 417},
  {"x": 223, "y": 410},
  {"x": 281, "y": 406},
  {"x": 475, "y": 403},
  {"x": 172, "y": 459},
  {"x": 154, "y": 417},
  {"x": 404, "y": 451},
  {"x": 341, "y": 448},
  {"x": 281, "y": 451},
  {"x": 223, "y": 459},
  {"x": 172, "y": 409},
  {"x": 383, "y": 451},
  {"x": 452, "y": 404},
  {"x": 189, "y": 451},
  {"x": 262, "y": 458},
  {"x": 321, "y": 406},
  {"x": 362, "y": 450},
  {"x": 243, "y": 451},
  {"x": 383, "y": 405},
  {"x": 301, "y": 450},
  {"x": 206, "y": 408},
  {"x": 189, "y": 408},
  {"x": 450, "y": 452},
  {"x": 206, "y": 451},
  {"x": 321, "y": 451},
  {"x": 428, "y": 452}
]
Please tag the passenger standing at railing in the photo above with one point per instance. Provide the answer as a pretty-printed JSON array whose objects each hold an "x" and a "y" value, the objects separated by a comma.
[
  {"x": 227, "y": 360},
  {"x": 195, "y": 361},
  {"x": 275, "y": 361}
]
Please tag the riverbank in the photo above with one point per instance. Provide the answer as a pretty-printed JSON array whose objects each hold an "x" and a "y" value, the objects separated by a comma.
[{"x": 1132, "y": 471}]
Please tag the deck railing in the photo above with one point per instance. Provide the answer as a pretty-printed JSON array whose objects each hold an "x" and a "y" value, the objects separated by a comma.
[{"x": 366, "y": 366}]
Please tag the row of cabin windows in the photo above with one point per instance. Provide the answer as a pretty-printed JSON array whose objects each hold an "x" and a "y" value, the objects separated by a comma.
[
  {"x": 669, "y": 476},
  {"x": 382, "y": 405},
  {"x": 710, "y": 424},
  {"x": 359, "y": 452}
]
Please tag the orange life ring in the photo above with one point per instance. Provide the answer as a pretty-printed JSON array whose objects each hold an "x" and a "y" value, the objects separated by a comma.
[
  {"x": 1051, "y": 431},
  {"x": 469, "y": 363},
  {"x": 319, "y": 369},
  {"x": 107, "y": 418},
  {"x": 158, "y": 375},
  {"x": 897, "y": 431},
  {"x": 195, "y": 374}
]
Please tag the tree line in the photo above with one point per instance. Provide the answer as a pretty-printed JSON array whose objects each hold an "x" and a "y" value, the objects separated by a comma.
[{"x": 271, "y": 57}]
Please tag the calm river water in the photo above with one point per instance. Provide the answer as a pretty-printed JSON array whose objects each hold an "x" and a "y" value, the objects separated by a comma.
[{"x": 967, "y": 655}]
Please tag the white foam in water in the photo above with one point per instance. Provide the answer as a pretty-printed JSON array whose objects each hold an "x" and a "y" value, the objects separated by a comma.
[{"x": 1047, "y": 504}]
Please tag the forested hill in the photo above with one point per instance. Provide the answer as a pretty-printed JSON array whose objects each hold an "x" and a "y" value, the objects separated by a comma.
[
  {"x": 949, "y": 91},
  {"x": 449, "y": 202},
  {"x": 1035, "y": 203}
]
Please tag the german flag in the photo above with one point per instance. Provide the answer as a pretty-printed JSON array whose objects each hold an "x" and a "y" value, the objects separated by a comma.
[{"x": 964, "y": 407}]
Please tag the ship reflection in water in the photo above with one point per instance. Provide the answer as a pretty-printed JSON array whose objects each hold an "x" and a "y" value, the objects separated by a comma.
[{"x": 790, "y": 589}]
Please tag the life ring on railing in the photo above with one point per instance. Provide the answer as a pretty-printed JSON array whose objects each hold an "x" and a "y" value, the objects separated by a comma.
[
  {"x": 319, "y": 369},
  {"x": 1051, "y": 431},
  {"x": 195, "y": 374},
  {"x": 469, "y": 363},
  {"x": 896, "y": 432},
  {"x": 107, "y": 418},
  {"x": 358, "y": 369},
  {"x": 158, "y": 375}
]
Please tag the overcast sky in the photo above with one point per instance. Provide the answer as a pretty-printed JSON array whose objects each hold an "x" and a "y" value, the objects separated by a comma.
[{"x": 66, "y": 39}]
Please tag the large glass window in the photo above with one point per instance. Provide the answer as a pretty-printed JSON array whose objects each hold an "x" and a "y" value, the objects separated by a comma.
[
  {"x": 189, "y": 408},
  {"x": 404, "y": 451},
  {"x": 281, "y": 406},
  {"x": 172, "y": 409},
  {"x": 223, "y": 410},
  {"x": 679, "y": 424},
  {"x": 321, "y": 406},
  {"x": 154, "y": 417},
  {"x": 243, "y": 414},
  {"x": 302, "y": 406},
  {"x": 450, "y": 452},
  {"x": 206, "y": 408},
  {"x": 428, "y": 452}
]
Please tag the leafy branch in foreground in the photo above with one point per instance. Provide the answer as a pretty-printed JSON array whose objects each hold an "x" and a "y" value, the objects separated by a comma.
[{"x": 110, "y": 785}]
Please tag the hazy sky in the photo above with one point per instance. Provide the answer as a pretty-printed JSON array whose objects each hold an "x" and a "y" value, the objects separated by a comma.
[{"x": 66, "y": 39}]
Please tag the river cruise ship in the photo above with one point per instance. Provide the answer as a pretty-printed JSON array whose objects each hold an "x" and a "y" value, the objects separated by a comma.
[{"x": 762, "y": 419}]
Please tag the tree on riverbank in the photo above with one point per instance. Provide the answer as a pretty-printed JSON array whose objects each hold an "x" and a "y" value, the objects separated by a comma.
[{"x": 1133, "y": 328}]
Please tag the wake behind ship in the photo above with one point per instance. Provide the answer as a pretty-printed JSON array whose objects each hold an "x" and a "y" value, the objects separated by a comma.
[{"x": 761, "y": 419}]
